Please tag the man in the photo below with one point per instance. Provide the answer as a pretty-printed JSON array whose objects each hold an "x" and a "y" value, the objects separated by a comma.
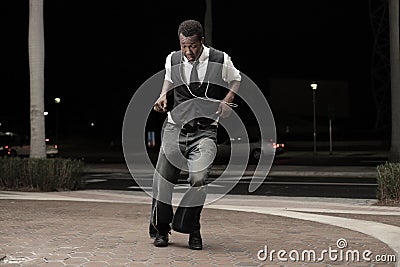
[{"x": 204, "y": 82}]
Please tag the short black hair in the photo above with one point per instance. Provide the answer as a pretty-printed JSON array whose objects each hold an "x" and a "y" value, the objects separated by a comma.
[{"x": 191, "y": 27}]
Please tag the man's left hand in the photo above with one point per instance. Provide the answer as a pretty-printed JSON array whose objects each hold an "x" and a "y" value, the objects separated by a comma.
[{"x": 224, "y": 110}]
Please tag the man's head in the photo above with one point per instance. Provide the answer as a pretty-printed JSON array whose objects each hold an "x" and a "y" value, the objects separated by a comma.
[{"x": 191, "y": 39}]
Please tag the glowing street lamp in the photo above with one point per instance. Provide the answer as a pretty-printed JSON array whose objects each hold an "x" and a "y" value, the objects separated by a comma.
[
  {"x": 57, "y": 101},
  {"x": 314, "y": 86}
]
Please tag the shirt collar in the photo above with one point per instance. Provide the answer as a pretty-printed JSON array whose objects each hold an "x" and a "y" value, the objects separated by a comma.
[{"x": 204, "y": 55}]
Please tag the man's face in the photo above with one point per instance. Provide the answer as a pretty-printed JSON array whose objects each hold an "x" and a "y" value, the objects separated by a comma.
[{"x": 191, "y": 46}]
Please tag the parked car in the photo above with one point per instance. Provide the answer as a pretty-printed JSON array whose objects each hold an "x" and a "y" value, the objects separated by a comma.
[
  {"x": 279, "y": 147},
  {"x": 14, "y": 145},
  {"x": 6, "y": 139},
  {"x": 24, "y": 150},
  {"x": 253, "y": 145},
  {"x": 4, "y": 151}
]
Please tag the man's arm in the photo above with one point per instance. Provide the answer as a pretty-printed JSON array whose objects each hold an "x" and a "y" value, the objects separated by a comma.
[
  {"x": 233, "y": 88},
  {"x": 224, "y": 109},
  {"x": 161, "y": 103},
  {"x": 232, "y": 76}
]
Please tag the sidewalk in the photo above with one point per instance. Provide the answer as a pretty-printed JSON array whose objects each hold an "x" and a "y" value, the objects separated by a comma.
[{"x": 108, "y": 228}]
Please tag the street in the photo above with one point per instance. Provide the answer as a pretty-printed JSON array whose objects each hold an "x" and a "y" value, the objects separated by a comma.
[
  {"x": 300, "y": 174},
  {"x": 336, "y": 187}
]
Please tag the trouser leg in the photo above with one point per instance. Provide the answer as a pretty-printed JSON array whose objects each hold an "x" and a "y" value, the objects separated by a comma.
[
  {"x": 187, "y": 215},
  {"x": 152, "y": 229},
  {"x": 165, "y": 177}
]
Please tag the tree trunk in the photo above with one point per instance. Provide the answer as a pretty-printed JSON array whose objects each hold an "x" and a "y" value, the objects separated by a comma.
[{"x": 36, "y": 69}]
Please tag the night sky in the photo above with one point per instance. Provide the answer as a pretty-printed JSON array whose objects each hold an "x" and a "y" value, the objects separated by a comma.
[{"x": 99, "y": 52}]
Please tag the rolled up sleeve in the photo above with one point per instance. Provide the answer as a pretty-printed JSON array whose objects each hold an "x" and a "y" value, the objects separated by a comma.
[{"x": 229, "y": 72}]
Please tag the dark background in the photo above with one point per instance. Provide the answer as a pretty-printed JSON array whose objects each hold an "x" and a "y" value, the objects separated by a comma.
[{"x": 99, "y": 52}]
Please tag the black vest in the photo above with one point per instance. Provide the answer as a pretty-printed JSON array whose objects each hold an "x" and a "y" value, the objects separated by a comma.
[{"x": 189, "y": 108}]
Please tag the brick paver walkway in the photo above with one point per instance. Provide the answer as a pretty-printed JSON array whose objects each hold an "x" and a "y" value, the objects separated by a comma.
[{"x": 80, "y": 233}]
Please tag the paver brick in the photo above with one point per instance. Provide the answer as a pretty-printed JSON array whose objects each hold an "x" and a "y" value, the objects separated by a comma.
[{"x": 61, "y": 233}]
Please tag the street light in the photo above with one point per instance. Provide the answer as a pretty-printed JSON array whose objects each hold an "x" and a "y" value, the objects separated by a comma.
[
  {"x": 57, "y": 101},
  {"x": 314, "y": 86}
]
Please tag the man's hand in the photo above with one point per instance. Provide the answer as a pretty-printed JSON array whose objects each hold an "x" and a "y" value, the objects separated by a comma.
[
  {"x": 224, "y": 110},
  {"x": 161, "y": 104}
]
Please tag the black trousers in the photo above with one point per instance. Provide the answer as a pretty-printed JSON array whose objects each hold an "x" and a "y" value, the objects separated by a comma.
[{"x": 196, "y": 150}]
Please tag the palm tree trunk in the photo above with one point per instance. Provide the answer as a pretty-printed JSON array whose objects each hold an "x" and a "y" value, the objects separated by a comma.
[{"x": 36, "y": 68}]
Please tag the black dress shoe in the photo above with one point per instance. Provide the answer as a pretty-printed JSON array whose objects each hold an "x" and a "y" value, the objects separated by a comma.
[
  {"x": 161, "y": 240},
  {"x": 195, "y": 241}
]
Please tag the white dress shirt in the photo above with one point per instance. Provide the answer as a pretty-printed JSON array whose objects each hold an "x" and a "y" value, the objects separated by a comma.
[{"x": 229, "y": 72}]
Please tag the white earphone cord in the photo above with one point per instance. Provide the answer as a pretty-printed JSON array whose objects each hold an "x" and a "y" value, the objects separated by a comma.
[{"x": 232, "y": 105}]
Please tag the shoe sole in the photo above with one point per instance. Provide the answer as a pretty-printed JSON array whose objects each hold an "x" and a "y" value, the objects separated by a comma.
[
  {"x": 192, "y": 248},
  {"x": 160, "y": 245}
]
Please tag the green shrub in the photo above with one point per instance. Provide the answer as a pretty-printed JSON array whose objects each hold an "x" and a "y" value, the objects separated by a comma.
[
  {"x": 40, "y": 174},
  {"x": 388, "y": 183}
]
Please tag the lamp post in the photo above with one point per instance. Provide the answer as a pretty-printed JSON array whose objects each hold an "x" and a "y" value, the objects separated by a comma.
[
  {"x": 314, "y": 86},
  {"x": 57, "y": 101}
]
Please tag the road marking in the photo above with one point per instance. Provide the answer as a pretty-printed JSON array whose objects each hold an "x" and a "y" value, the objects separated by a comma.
[
  {"x": 140, "y": 187},
  {"x": 95, "y": 180},
  {"x": 296, "y": 183},
  {"x": 216, "y": 183},
  {"x": 314, "y": 183}
]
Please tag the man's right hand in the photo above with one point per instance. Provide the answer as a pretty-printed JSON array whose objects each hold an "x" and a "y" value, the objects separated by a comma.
[{"x": 161, "y": 104}]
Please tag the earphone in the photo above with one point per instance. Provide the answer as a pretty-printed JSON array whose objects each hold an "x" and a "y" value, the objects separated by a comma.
[{"x": 205, "y": 97}]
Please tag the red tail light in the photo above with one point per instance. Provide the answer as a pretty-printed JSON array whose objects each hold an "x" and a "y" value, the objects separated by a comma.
[{"x": 275, "y": 145}]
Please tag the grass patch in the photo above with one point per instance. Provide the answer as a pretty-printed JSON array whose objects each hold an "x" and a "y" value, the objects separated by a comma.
[
  {"x": 48, "y": 174},
  {"x": 388, "y": 192}
]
